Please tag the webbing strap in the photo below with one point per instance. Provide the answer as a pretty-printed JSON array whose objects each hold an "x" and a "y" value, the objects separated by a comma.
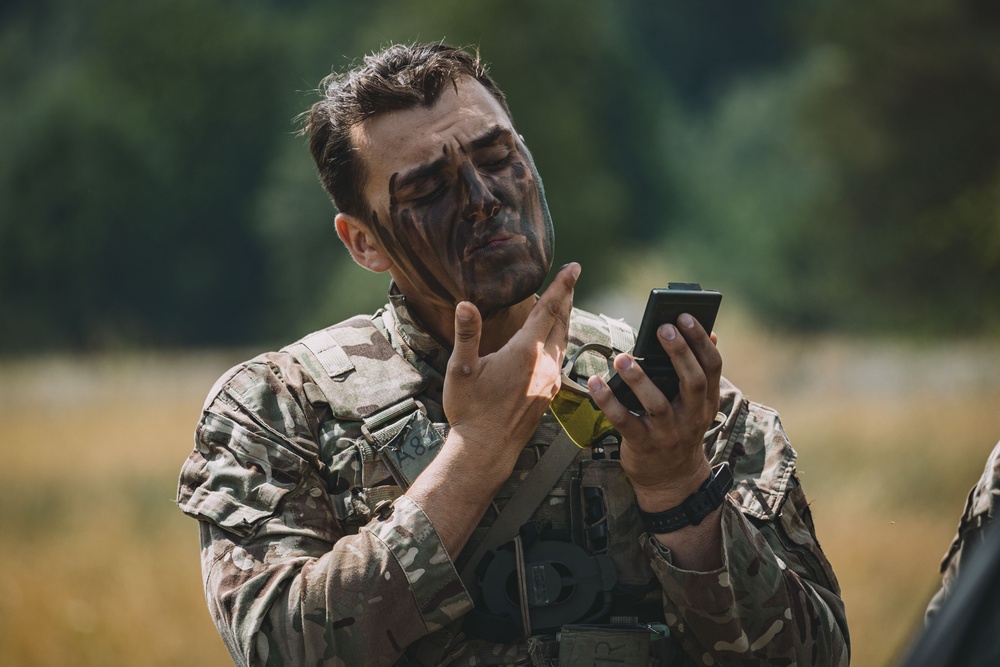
[
  {"x": 329, "y": 353},
  {"x": 622, "y": 335},
  {"x": 356, "y": 368},
  {"x": 528, "y": 497}
]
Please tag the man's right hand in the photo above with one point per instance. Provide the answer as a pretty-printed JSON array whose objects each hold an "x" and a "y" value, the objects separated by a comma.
[{"x": 493, "y": 403}]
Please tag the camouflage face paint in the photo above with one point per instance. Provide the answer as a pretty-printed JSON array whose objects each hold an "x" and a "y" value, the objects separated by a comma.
[
  {"x": 473, "y": 225},
  {"x": 457, "y": 204}
]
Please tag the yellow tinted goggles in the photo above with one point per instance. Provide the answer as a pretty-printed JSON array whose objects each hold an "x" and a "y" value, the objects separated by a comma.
[{"x": 573, "y": 408}]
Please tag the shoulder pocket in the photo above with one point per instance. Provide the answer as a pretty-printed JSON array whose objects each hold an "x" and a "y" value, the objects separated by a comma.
[{"x": 236, "y": 477}]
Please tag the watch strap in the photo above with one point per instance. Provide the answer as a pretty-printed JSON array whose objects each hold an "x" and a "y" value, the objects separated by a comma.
[{"x": 695, "y": 507}]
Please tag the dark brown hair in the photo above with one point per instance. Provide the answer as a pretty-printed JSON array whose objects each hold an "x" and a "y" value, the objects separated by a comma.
[{"x": 396, "y": 78}]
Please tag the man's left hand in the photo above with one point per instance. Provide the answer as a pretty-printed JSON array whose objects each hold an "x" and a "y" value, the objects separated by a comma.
[{"x": 662, "y": 451}]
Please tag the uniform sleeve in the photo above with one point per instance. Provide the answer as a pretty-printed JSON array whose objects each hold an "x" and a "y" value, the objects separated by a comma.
[
  {"x": 980, "y": 507},
  {"x": 285, "y": 584},
  {"x": 775, "y": 600},
  {"x": 764, "y": 604}
]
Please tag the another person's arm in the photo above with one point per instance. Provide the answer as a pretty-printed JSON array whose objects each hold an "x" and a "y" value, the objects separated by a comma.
[{"x": 980, "y": 507}]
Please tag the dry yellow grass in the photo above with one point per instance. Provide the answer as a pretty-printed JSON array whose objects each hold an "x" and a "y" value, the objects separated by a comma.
[
  {"x": 890, "y": 439},
  {"x": 97, "y": 567}
]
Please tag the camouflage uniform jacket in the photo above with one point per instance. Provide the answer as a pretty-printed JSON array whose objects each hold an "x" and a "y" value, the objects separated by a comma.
[
  {"x": 311, "y": 555},
  {"x": 981, "y": 507}
]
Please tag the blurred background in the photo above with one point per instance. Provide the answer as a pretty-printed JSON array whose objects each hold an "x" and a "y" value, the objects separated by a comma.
[{"x": 833, "y": 168}]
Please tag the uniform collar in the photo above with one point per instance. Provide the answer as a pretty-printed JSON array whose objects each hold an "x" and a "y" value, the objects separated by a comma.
[{"x": 421, "y": 342}]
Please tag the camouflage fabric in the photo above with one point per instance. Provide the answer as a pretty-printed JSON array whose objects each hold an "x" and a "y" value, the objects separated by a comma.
[
  {"x": 980, "y": 508},
  {"x": 313, "y": 554}
]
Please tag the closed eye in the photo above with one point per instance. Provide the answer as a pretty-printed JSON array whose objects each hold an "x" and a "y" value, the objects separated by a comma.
[
  {"x": 497, "y": 165},
  {"x": 432, "y": 196},
  {"x": 494, "y": 163}
]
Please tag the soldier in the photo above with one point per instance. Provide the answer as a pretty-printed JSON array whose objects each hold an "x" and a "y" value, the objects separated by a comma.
[{"x": 395, "y": 490}]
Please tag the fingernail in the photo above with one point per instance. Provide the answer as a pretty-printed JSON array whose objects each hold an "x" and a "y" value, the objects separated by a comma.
[
  {"x": 686, "y": 321},
  {"x": 464, "y": 313},
  {"x": 668, "y": 332},
  {"x": 595, "y": 385},
  {"x": 625, "y": 363},
  {"x": 574, "y": 270}
]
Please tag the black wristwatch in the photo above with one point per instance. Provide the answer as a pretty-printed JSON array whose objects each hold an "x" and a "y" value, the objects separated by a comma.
[{"x": 696, "y": 507}]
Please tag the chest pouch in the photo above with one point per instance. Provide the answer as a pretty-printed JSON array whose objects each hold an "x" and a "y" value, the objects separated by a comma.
[
  {"x": 534, "y": 588},
  {"x": 404, "y": 439}
]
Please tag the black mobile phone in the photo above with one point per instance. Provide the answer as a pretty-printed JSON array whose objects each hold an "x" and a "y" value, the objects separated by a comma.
[{"x": 665, "y": 306}]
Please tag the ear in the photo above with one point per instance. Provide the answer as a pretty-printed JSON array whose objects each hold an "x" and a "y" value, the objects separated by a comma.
[{"x": 361, "y": 243}]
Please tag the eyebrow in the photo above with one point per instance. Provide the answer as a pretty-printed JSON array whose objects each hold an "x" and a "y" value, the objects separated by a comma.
[
  {"x": 420, "y": 173},
  {"x": 492, "y": 136}
]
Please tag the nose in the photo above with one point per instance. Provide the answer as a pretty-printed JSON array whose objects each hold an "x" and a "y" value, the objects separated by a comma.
[{"x": 480, "y": 204}]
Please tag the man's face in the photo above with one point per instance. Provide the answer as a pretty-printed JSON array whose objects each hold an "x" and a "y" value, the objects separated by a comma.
[{"x": 457, "y": 204}]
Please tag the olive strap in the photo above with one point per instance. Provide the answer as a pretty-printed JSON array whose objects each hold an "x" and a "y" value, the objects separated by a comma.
[{"x": 526, "y": 499}]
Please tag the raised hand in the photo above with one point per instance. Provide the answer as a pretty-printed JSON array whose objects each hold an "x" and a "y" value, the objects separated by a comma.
[
  {"x": 493, "y": 403},
  {"x": 496, "y": 401}
]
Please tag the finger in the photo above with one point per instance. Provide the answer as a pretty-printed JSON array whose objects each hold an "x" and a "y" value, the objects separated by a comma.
[
  {"x": 653, "y": 400},
  {"x": 705, "y": 351},
  {"x": 690, "y": 375},
  {"x": 468, "y": 330},
  {"x": 629, "y": 426},
  {"x": 554, "y": 305},
  {"x": 558, "y": 336}
]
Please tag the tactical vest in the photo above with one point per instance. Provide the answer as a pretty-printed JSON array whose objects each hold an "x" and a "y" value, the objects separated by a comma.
[{"x": 586, "y": 585}]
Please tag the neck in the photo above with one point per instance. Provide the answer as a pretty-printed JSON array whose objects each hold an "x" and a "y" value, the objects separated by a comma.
[
  {"x": 498, "y": 328},
  {"x": 501, "y": 327}
]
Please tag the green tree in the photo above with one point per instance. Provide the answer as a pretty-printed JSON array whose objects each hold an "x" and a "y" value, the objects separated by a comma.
[
  {"x": 857, "y": 187},
  {"x": 136, "y": 139}
]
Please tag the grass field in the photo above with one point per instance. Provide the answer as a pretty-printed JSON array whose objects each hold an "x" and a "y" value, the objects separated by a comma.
[{"x": 97, "y": 566}]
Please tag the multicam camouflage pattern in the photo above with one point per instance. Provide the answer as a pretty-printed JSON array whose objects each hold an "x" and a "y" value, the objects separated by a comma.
[
  {"x": 311, "y": 554},
  {"x": 980, "y": 509}
]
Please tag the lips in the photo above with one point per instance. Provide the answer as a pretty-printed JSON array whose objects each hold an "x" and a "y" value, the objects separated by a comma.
[{"x": 487, "y": 244}]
